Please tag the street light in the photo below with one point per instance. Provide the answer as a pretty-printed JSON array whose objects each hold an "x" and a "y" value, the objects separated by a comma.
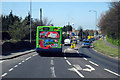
[
  {"x": 30, "y": 19},
  {"x": 95, "y": 17}
]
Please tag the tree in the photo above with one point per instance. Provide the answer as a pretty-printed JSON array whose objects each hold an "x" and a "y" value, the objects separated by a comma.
[
  {"x": 109, "y": 22},
  {"x": 80, "y": 32}
]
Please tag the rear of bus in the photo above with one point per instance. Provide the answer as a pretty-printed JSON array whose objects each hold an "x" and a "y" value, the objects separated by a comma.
[{"x": 49, "y": 39}]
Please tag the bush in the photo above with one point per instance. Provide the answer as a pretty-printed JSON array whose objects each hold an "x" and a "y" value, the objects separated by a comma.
[
  {"x": 8, "y": 46},
  {"x": 113, "y": 41}
]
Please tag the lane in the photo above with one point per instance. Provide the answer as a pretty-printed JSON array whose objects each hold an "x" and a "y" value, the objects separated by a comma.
[
  {"x": 35, "y": 67},
  {"x": 102, "y": 62},
  {"x": 99, "y": 59},
  {"x": 7, "y": 64},
  {"x": 81, "y": 63}
]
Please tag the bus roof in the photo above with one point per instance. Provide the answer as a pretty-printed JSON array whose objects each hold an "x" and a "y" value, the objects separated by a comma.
[{"x": 49, "y": 26}]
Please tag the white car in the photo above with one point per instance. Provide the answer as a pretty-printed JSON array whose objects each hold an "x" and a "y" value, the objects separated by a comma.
[{"x": 67, "y": 42}]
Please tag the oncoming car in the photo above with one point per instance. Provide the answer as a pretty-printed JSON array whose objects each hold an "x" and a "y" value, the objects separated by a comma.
[{"x": 86, "y": 43}]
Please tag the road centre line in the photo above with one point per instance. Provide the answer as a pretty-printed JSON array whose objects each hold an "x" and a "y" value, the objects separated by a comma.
[
  {"x": 68, "y": 62},
  {"x": 1, "y": 61},
  {"x": 77, "y": 52},
  {"x": 23, "y": 61},
  {"x": 78, "y": 72},
  {"x": 85, "y": 59},
  {"x": 27, "y": 58},
  {"x": 19, "y": 63},
  {"x": 52, "y": 63},
  {"x": 93, "y": 63},
  {"x": 53, "y": 72},
  {"x": 4, "y": 75},
  {"x": 16, "y": 66},
  {"x": 112, "y": 72},
  {"x": 11, "y": 69},
  {"x": 65, "y": 58}
]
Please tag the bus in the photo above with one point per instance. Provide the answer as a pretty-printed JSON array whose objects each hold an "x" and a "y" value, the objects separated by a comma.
[{"x": 49, "y": 39}]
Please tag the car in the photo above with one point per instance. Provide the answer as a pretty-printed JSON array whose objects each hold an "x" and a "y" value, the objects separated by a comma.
[
  {"x": 86, "y": 43},
  {"x": 67, "y": 42}
]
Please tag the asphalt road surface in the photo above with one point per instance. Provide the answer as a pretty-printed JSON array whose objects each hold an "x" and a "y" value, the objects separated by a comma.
[{"x": 73, "y": 63}]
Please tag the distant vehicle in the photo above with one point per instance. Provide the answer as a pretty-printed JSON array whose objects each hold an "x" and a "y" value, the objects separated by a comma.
[
  {"x": 90, "y": 40},
  {"x": 49, "y": 39},
  {"x": 67, "y": 42},
  {"x": 74, "y": 41},
  {"x": 86, "y": 43}
]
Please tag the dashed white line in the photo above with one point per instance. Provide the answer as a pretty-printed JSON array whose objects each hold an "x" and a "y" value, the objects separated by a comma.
[
  {"x": 85, "y": 59},
  {"x": 19, "y": 63},
  {"x": 11, "y": 69},
  {"x": 78, "y": 72},
  {"x": 52, "y": 63},
  {"x": 64, "y": 50},
  {"x": 53, "y": 72},
  {"x": 93, "y": 63},
  {"x": 16, "y": 66},
  {"x": 27, "y": 59},
  {"x": 65, "y": 58},
  {"x": 77, "y": 52},
  {"x": 23, "y": 61},
  {"x": 1, "y": 61},
  {"x": 68, "y": 62},
  {"x": 4, "y": 75},
  {"x": 112, "y": 72}
]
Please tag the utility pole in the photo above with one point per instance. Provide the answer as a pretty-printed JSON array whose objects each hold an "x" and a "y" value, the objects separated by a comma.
[
  {"x": 40, "y": 16},
  {"x": 30, "y": 20}
]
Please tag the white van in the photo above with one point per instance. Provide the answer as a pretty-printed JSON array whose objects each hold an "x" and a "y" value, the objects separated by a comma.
[{"x": 67, "y": 42}]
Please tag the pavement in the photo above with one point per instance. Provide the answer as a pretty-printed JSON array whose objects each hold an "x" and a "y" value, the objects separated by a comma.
[{"x": 16, "y": 54}]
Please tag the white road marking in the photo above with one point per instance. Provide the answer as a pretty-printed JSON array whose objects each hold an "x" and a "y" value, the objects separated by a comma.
[
  {"x": 93, "y": 63},
  {"x": 68, "y": 62},
  {"x": 27, "y": 59},
  {"x": 34, "y": 55},
  {"x": 65, "y": 58},
  {"x": 64, "y": 50},
  {"x": 86, "y": 69},
  {"x": 112, "y": 72},
  {"x": 1, "y": 61},
  {"x": 16, "y": 66},
  {"x": 78, "y": 72},
  {"x": 23, "y": 61},
  {"x": 53, "y": 72},
  {"x": 85, "y": 59},
  {"x": 91, "y": 68},
  {"x": 11, "y": 69},
  {"x": 52, "y": 63},
  {"x": 19, "y": 63},
  {"x": 4, "y": 75},
  {"x": 77, "y": 52},
  {"x": 77, "y": 67},
  {"x": 52, "y": 57}
]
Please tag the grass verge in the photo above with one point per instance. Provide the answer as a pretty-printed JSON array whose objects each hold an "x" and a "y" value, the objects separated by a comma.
[{"x": 100, "y": 46}]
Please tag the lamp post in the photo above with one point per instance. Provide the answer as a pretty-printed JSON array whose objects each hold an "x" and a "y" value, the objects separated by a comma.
[
  {"x": 95, "y": 18},
  {"x": 30, "y": 20}
]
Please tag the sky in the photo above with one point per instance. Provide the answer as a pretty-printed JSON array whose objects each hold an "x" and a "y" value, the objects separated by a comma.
[{"x": 60, "y": 12}]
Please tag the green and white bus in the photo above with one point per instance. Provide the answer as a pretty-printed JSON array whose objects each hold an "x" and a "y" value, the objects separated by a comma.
[{"x": 49, "y": 39}]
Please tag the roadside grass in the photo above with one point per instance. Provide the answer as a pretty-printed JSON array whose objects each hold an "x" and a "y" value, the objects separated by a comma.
[{"x": 100, "y": 46}]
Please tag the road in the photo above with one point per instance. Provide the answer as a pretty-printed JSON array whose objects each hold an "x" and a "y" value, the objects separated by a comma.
[{"x": 74, "y": 63}]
